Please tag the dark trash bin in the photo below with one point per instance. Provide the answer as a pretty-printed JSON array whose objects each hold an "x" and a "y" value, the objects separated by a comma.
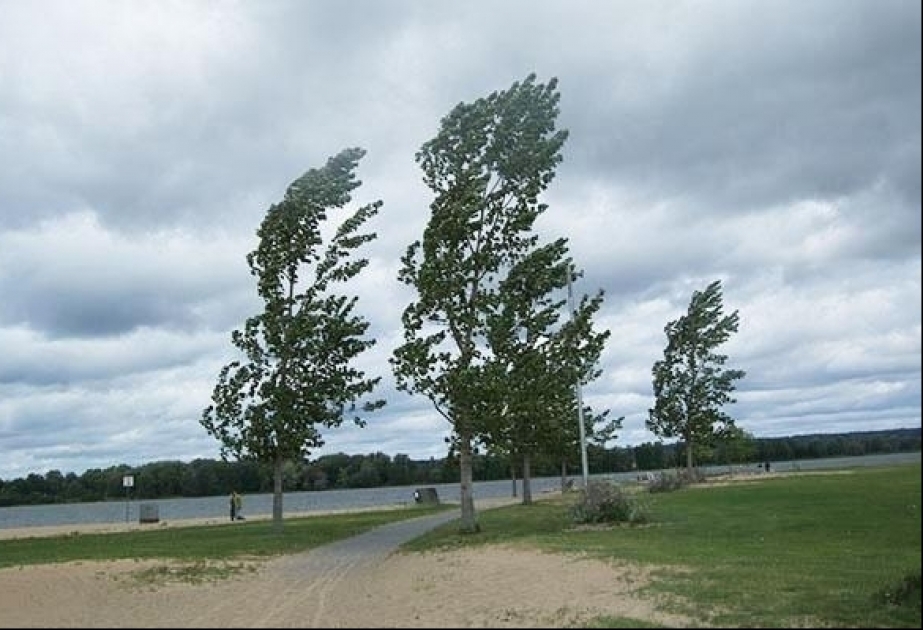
[
  {"x": 149, "y": 513},
  {"x": 426, "y": 495}
]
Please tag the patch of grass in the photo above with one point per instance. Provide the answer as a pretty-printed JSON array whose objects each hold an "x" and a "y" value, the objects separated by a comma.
[
  {"x": 204, "y": 542},
  {"x": 191, "y": 572},
  {"x": 792, "y": 550},
  {"x": 621, "y": 622},
  {"x": 500, "y": 525}
]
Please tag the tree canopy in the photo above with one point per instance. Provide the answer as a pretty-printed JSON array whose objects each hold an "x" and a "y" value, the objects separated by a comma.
[
  {"x": 486, "y": 166},
  {"x": 691, "y": 384},
  {"x": 296, "y": 376}
]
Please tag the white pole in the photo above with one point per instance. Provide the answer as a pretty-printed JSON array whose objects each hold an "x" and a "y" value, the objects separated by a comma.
[{"x": 578, "y": 389}]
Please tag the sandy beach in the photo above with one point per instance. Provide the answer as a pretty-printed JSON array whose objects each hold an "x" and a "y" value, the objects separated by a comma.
[{"x": 488, "y": 587}]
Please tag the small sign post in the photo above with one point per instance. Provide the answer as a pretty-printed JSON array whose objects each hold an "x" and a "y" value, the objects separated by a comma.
[{"x": 128, "y": 481}]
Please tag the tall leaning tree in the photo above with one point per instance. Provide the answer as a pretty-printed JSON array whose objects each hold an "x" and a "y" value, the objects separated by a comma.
[
  {"x": 295, "y": 375},
  {"x": 691, "y": 383},
  {"x": 486, "y": 167}
]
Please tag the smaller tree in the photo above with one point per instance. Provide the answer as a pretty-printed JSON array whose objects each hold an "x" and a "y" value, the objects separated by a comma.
[
  {"x": 735, "y": 446},
  {"x": 537, "y": 359},
  {"x": 690, "y": 383},
  {"x": 296, "y": 374}
]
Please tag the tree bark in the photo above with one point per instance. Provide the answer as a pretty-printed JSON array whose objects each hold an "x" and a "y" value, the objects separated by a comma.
[
  {"x": 277, "y": 496},
  {"x": 469, "y": 521},
  {"x": 526, "y": 480},
  {"x": 513, "y": 477}
]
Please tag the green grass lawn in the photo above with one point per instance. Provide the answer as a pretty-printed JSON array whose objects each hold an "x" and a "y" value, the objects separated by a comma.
[{"x": 794, "y": 550}]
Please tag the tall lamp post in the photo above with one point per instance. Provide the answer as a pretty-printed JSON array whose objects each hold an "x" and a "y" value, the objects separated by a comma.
[{"x": 578, "y": 390}]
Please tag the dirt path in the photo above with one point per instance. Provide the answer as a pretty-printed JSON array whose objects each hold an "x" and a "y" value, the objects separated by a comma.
[{"x": 321, "y": 582}]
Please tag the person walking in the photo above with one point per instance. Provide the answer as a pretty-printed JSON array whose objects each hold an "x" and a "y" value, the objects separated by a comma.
[
  {"x": 238, "y": 506},
  {"x": 233, "y": 505}
]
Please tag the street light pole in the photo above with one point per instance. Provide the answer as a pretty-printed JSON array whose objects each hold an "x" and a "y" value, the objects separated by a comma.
[{"x": 578, "y": 390}]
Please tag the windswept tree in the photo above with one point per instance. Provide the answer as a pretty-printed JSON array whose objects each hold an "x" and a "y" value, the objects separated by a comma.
[
  {"x": 691, "y": 384},
  {"x": 486, "y": 167},
  {"x": 295, "y": 375},
  {"x": 539, "y": 359}
]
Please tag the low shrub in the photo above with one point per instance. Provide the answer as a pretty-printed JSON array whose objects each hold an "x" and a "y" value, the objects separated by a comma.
[
  {"x": 905, "y": 593},
  {"x": 605, "y": 502},
  {"x": 668, "y": 482}
]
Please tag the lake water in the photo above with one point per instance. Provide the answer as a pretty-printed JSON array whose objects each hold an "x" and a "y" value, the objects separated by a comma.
[{"x": 302, "y": 502}]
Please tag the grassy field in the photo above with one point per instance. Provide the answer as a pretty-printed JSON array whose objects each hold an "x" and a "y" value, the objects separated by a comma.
[
  {"x": 797, "y": 550},
  {"x": 830, "y": 548}
]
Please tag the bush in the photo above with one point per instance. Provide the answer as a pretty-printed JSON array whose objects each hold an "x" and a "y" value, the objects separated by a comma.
[
  {"x": 904, "y": 593},
  {"x": 668, "y": 482},
  {"x": 604, "y": 502}
]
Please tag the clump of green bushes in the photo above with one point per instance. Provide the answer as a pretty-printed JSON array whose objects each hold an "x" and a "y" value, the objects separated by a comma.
[
  {"x": 905, "y": 593},
  {"x": 668, "y": 482},
  {"x": 606, "y": 502}
]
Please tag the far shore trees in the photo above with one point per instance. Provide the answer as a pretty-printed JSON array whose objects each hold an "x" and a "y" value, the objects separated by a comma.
[
  {"x": 486, "y": 166},
  {"x": 295, "y": 376},
  {"x": 735, "y": 447},
  {"x": 691, "y": 384}
]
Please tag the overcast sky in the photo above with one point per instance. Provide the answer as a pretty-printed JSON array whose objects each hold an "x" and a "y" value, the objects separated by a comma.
[{"x": 773, "y": 145}]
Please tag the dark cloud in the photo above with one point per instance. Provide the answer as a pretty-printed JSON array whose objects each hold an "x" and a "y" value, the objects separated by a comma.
[
  {"x": 74, "y": 278},
  {"x": 823, "y": 104}
]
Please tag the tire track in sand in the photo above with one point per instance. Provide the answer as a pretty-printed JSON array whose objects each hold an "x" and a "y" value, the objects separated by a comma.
[{"x": 312, "y": 578}]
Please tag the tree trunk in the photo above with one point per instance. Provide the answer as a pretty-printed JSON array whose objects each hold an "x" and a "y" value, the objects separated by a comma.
[
  {"x": 513, "y": 476},
  {"x": 689, "y": 455},
  {"x": 277, "y": 496},
  {"x": 468, "y": 520},
  {"x": 526, "y": 480}
]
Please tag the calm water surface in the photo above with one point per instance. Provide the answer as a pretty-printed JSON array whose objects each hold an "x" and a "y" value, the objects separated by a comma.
[{"x": 217, "y": 507}]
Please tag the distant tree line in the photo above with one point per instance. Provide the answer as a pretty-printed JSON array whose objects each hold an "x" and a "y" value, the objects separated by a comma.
[{"x": 208, "y": 477}]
